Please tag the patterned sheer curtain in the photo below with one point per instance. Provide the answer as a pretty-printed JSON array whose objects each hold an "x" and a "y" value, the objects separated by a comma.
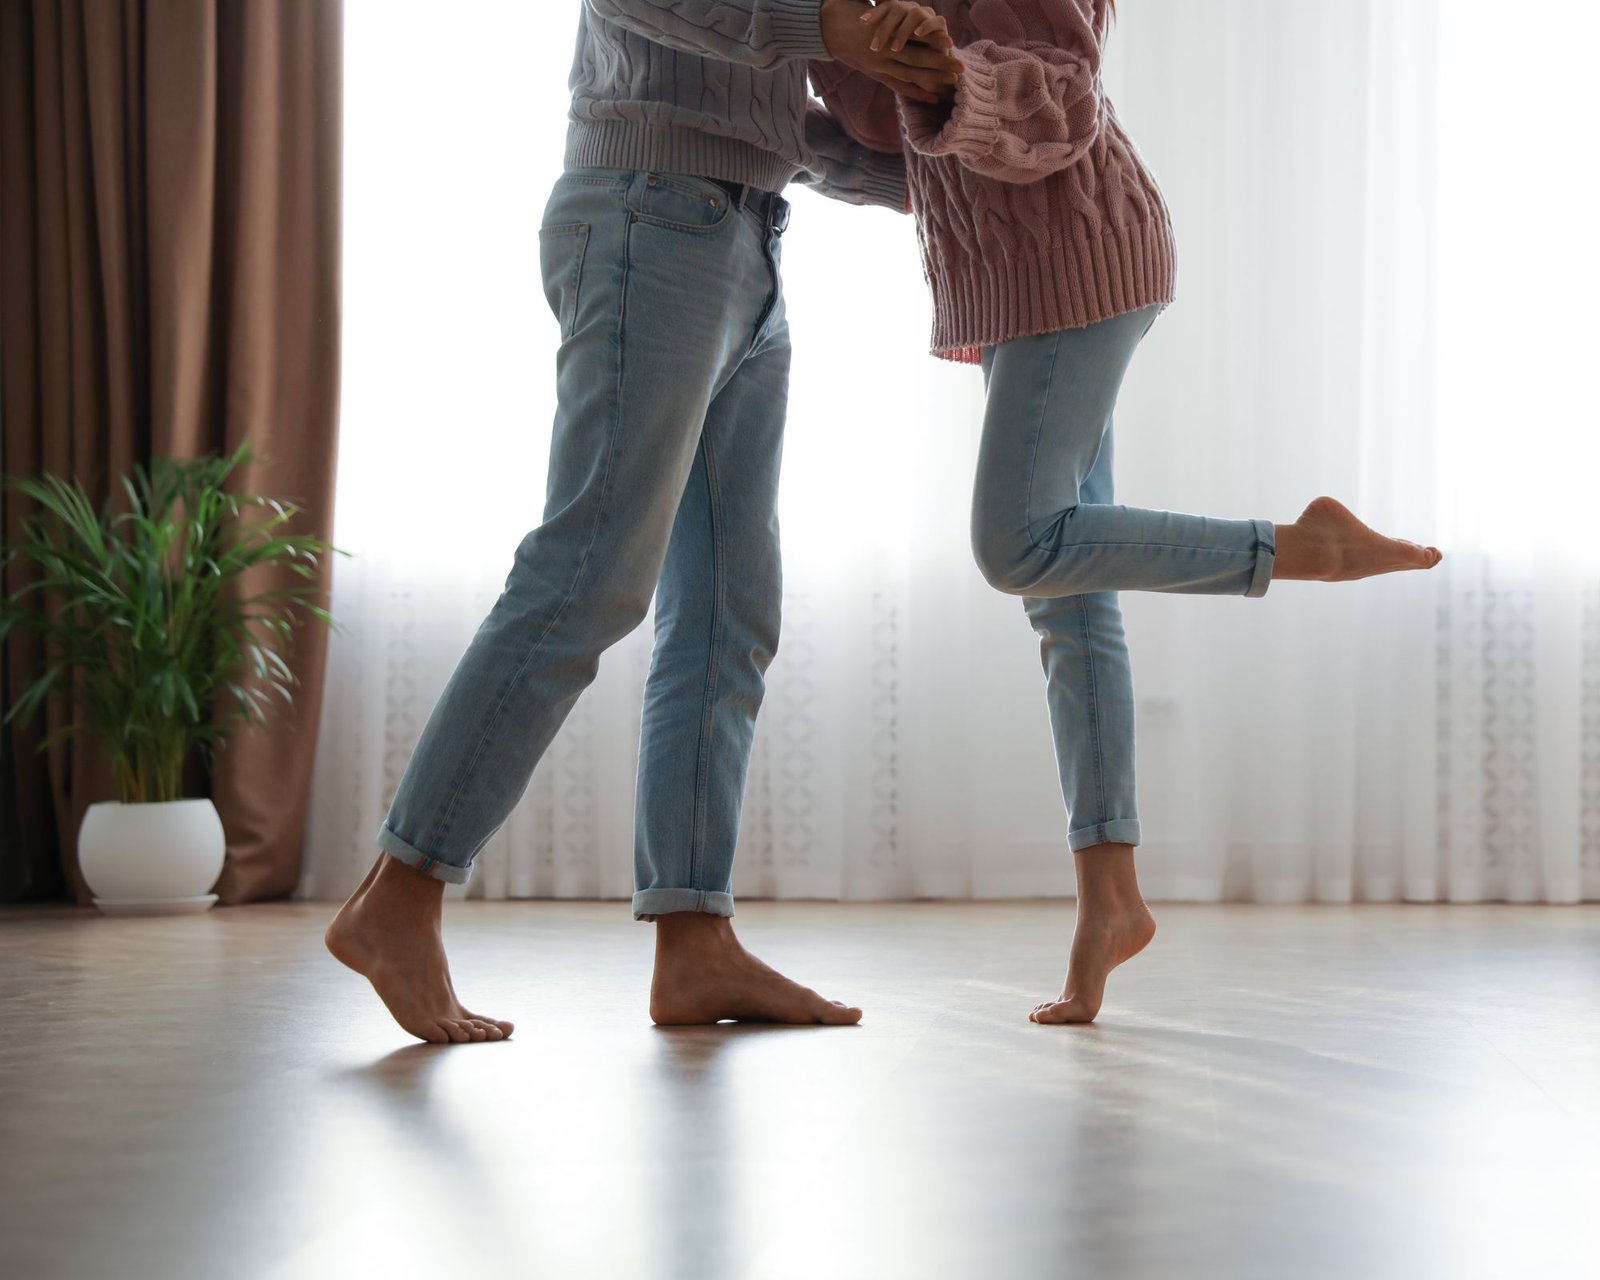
[
  {"x": 1381, "y": 297},
  {"x": 1518, "y": 668}
]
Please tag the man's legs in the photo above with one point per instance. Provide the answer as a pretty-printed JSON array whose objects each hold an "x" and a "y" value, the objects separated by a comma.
[
  {"x": 652, "y": 282},
  {"x": 717, "y": 620},
  {"x": 717, "y": 616}
]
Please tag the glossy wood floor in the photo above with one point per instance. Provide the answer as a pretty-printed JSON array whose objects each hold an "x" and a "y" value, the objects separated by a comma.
[{"x": 1276, "y": 1092}]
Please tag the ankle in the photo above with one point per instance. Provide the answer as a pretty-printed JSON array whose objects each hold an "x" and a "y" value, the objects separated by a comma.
[
  {"x": 1107, "y": 878},
  {"x": 1296, "y": 553},
  {"x": 694, "y": 931},
  {"x": 398, "y": 884}
]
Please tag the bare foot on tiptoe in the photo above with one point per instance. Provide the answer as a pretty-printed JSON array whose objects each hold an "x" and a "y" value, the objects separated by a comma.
[
  {"x": 1328, "y": 544},
  {"x": 1103, "y": 940},
  {"x": 390, "y": 933},
  {"x": 704, "y": 975}
]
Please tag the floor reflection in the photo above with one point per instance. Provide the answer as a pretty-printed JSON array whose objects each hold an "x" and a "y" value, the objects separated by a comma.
[{"x": 1393, "y": 1101}]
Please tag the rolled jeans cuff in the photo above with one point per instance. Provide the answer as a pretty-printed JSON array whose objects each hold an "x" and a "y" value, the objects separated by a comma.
[
  {"x": 400, "y": 851},
  {"x": 650, "y": 903},
  {"x": 1266, "y": 554},
  {"x": 1117, "y": 831}
]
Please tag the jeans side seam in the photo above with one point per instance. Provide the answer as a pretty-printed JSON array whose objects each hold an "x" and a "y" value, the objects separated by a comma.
[
  {"x": 1038, "y": 434},
  {"x": 1094, "y": 710},
  {"x": 697, "y": 832},
  {"x": 492, "y": 724},
  {"x": 1252, "y": 552}
]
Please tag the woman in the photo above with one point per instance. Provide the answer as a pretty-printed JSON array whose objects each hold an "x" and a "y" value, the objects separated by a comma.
[{"x": 1049, "y": 251}]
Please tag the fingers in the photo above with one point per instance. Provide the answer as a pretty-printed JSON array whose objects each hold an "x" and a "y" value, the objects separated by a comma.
[
  {"x": 906, "y": 89},
  {"x": 928, "y": 83},
  {"x": 935, "y": 33},
  {"x": 899, "y": 22},
  {"x": 908, "y": 49},
  {"x": 929, "y": 28},
  {"x": 928, "y": 58},
  {"x": 897, "y": 32}
]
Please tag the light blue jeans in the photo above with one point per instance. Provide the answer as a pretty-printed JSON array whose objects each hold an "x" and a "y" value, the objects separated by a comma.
[
  {"x": 672, "y": 382},
  {"x": 1044, "y": 528}
]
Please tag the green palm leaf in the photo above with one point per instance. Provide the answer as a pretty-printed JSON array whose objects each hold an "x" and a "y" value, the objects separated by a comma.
[{"x": 145, "y": 627}]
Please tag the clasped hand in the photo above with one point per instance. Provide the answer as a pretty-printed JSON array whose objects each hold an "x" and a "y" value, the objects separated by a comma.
[{"x": 898, "y": 43}]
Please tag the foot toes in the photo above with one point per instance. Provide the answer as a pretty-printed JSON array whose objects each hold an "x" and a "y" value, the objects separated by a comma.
[
  {"x": 1058, "y": 1012},
  {"x": 504, "y": 1028}
]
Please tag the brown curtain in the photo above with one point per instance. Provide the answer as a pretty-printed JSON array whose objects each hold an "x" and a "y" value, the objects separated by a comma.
[{"x": 169, "y": 285}]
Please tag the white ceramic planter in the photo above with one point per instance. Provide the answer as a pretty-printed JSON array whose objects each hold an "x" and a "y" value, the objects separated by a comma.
[{"x": 151, "y": 859}]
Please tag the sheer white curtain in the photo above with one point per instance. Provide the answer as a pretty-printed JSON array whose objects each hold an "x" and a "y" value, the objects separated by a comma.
[{"x": 1383, "y": 290}]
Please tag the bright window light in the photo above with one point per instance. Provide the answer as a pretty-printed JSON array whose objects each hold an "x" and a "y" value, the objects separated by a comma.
[{"x": 1519, "y": 265}]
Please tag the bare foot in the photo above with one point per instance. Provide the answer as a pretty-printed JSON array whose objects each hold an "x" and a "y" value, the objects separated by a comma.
[
  {"x": 1328, "y": 544},
  {"x": 390, "y": 933},
  {"x": 704, "y": 975},
  {"x": 1099, "y": 944},
  {"x": 1114, "y": 925}
]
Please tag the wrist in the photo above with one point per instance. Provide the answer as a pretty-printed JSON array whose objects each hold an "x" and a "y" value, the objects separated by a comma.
[{"x": 832, "y": 15}]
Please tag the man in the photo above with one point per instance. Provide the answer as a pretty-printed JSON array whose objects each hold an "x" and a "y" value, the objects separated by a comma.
[{"x": 659, "y": 253}]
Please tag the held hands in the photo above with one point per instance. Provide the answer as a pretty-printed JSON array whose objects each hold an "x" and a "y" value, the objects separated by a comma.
[
  {"x": 897, "y": 22},
  {"x": 901, "y": 44}
]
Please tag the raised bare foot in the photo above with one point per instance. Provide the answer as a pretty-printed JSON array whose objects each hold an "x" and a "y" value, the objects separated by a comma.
[
  {"x": 704, "y": 975},
  {"x": 1328, "y": 544},
  {"x": 390, "y": 933}
]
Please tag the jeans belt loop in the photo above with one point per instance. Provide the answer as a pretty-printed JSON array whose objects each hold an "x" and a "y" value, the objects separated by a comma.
[{"x": 739, "y": 192}]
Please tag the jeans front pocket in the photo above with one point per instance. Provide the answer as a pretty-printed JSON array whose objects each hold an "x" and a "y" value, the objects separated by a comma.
[
  {"x": 561, "y": 252},
  {"x": 679, "y": 202}
]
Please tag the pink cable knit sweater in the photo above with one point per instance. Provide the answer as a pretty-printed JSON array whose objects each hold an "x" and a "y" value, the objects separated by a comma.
[{"x": 1034, "y": 210}]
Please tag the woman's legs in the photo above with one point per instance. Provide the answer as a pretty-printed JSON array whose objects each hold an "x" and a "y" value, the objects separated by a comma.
[
  {"x": 1113, "y": 925},
  {"x": 1039, "y": 530},
  {"x": 1045, "y": 527},
  {"x": 1047, "y": 461}
]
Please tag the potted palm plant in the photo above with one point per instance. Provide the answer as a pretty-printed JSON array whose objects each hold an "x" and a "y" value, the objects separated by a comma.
[{"x": 148, "y": 630}]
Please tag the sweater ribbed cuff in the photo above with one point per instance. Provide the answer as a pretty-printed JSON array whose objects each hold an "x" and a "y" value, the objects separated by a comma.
[
  {"x": 883, "y": 182},
  {"x": 797, "y": 29},
  {"x": 971, "y": 130}
]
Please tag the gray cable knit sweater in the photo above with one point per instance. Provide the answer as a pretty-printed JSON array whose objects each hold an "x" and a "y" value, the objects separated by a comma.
[{"x": 716, "y": 88}]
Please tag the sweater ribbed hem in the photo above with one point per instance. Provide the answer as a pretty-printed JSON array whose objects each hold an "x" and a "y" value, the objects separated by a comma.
[
  {"x": 979, "y": 304},
  {"x": 618, "y": 144},
  {"x": 797, "y": 29}
]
